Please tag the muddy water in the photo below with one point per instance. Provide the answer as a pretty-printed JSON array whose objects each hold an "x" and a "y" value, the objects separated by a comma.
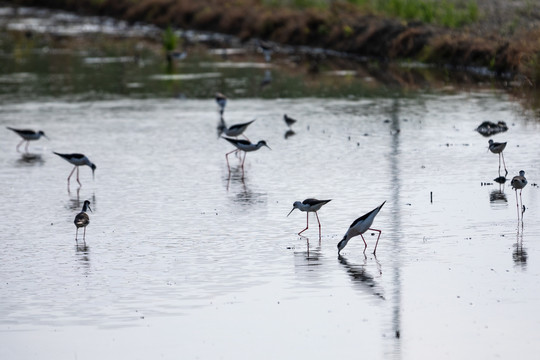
[{"x": 186, "y": 259}]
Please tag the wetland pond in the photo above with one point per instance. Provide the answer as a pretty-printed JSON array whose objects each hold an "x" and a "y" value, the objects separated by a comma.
[{"x": 184, "y": 259}]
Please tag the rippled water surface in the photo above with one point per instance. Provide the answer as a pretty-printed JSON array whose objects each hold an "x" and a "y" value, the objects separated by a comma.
[{"x": 184, "y": 259}]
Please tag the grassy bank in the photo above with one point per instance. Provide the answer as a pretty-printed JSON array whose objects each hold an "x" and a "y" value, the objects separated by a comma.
[{"x": 440, "y": 32}]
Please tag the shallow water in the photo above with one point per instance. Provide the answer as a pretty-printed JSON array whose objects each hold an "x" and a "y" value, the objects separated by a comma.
[{"x": 184, "y": 259}]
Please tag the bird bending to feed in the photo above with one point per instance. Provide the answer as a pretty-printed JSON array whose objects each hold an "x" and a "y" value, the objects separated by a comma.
[
  {"x": 288, "y": 120},
  {"x": 27, "y": 135},
  {"x": 221, "y": 101},
  {"x": 518, "y": 183},
  {"x": 237, "y": 129},
  {"x": 245, "y": 146},
  {"x": 309, "y": 205},
  {"x": 77, "y": 160},
  {"x": 497, "y": 148},
  {"x": 360, "y": 226},
  {"x": 82, "y": 219}
]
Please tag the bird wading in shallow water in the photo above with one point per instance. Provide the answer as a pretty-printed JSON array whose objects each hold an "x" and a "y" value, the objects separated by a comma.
[
  {"x": 77, "y": 160},
  {"x": 221, "y": 101},
  {"x": 245, "y": 146},
  {"x": 288, "y": 120},
  {"x": 497, "y": 148},
  {"x": 27, "y": 135},
  {"x": 82, "y": 219},
  {"x": 309, "y": 205},
  {"x": 518, "y": 183},
  {"x": 360, "y": 226}
]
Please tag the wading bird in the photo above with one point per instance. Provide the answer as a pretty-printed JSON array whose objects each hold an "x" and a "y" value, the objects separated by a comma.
[
  {"x": 237, "y": 129},
  {"x": 518, "y": 183},
  {"x": 221, "y": 101},
  {"x": 27, "y": 135},
  {"x": 497, "y": 148},
  {"x": 309, "y": 205},
  {"x": 288, "y": 120},
  {"x": 82, "y": 219},
  {"x": 77, "y": 160},
  {"x": 360, "y": 226},
  {"x": 245, "y": 146}
]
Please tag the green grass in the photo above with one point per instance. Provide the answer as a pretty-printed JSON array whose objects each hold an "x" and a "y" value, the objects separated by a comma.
[
  {"x": 169, "y": 39},
  {"x": 450, "y": 13}
]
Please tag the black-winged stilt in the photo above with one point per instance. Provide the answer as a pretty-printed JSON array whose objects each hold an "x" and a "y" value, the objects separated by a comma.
[{"x": 360, "y": 226}]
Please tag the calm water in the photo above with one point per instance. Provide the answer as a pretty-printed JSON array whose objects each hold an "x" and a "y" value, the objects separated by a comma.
[{"x": 186, "y": 260}]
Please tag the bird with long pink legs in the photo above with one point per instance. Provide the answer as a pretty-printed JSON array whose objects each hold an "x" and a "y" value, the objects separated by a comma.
[
  {"x": 245, "y": 146},
  {"x": 360, "y": 226},
  {"x": 518, "y": 183},
  {"x": 310, "y": 205},
  {"x": 497, "y": 148}
]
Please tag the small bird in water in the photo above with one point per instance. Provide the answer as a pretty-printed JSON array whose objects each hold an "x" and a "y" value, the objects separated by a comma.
[
  {"x": 309, "y": 205},
  {"x": 77, "y": 160},
  {"x": 288, "y": 120},
  {"x": 518, "y": 183},
  {"x": 221, "y": 101},
  {"x": 360, "y": 226},
  {"x": 245, "y": 146},
  {"x": 27, "y": 135},
  {"x": 82, "y": 219},
  {"x": 497, "y": 148}
]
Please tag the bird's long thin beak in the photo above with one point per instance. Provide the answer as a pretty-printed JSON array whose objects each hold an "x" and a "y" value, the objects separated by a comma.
[
  {"x": 89, "y": 208},
  {"x": 46, "y": 137},
  {"x": 93, "y": 175},
  {"x": 291, "y": 211},
  {"x": 268, "y": 147}
]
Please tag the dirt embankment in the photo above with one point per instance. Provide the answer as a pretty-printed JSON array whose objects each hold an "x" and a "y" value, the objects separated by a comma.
[{"x": 342, "y": 27}]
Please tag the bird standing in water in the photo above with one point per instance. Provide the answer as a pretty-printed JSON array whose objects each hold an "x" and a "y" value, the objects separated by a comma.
[
  {"x": 309, "y": 205},
  {"x": 360, "y": 226},
  {"x": 27, "y": 135},
  {"x": 497, "y": 148},
  {"x": 518, "y": 183},
  {"x": 221, "y": 101},
  {"x": 82, "y": 219},
  {"x": 77, "y": 160}
]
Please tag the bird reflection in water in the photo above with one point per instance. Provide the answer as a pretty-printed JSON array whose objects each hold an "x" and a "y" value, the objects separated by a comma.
[
  {"x": 289, "y": 133},
  {"x": 497, "y": 196},
  {"x": 519, "y": 254},
  {"x": 83, "y": 255},
  {"x": 29, "y": 159},
  {"x": 365, "y": 281},
  {"x": 75, "y": 202},
  {"x": 310, "y": 257},
  {"x": 267, "y": 79},
  {"x": 244, "y": 196}
]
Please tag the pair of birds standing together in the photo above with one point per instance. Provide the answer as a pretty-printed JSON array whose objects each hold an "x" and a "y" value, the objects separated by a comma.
[
  {"x": 518, "y": 182},
  {"x": 81, "y": 219},
  {"x": 234, "y": 131},
  {"x": 358, "y": 227}
]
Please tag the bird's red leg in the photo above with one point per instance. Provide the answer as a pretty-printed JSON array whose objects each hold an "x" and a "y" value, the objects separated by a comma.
[
  {"x": 26, "y": 147},
  {"x": 227, "y": 158},
  {"x": 76, "y": 233},
  {"x": 365, "y": 243},
  {"x": 375, "y": 250},
  {"x": 319, "y": 224},
  {"x": 84, "y": 234},
  {"x": 20, "y": 144},
  {"x": 307, "y": 223},
  {"x": 78, "y": 176},
  {"x": 517, "y": 204},
  {"x": 502, "y": 155},
  {"x": 71, "y": 173}
]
